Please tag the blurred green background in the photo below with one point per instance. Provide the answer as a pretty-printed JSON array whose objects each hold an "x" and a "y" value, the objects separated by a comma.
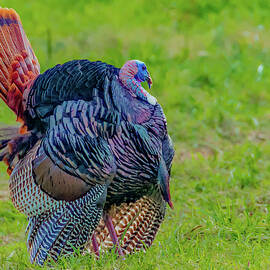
[{"x": 209, "y": 61}]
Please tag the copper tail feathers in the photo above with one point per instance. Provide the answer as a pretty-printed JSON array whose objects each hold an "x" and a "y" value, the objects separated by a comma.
[{"x": 18, "y": 63}]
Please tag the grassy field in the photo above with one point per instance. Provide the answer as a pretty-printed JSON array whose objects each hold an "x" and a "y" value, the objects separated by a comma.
[{"x": 210, "y": 63}]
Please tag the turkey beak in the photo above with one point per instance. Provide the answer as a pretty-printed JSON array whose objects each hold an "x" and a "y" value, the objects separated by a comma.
[
  {"x": 149, "y": 80},
  {"x": 163, "y": 180}
]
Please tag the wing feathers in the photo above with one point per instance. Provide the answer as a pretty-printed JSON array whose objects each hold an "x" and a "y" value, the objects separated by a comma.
[
  {"x": 56, "y": 182},
  {"x": 67, "y": 228}
]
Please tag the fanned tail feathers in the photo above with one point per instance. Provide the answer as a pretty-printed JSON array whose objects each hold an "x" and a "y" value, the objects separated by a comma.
[{"x": 18, "y": 63}]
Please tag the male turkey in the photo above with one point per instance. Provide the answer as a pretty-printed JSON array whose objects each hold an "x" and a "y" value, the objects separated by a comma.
[{"x": 93, "y": 143}]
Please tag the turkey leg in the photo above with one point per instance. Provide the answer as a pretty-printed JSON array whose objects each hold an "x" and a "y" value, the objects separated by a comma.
[
  {"x": 112, "y": 232},
  {"x": 95, "y": 245}
]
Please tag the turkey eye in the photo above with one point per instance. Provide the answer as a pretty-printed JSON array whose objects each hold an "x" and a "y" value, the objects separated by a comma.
[{"x": 143, "y": 68}]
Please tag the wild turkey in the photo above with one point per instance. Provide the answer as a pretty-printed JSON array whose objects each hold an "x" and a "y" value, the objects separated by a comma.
[{"x": 93, "y": 143}]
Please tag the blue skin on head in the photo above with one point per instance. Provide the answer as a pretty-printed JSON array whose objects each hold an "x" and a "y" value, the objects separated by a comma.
[{"x": 142, "y": 74}]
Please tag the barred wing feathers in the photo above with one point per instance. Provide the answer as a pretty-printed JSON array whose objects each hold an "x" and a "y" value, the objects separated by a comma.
[{"x": 56, "y": 227}]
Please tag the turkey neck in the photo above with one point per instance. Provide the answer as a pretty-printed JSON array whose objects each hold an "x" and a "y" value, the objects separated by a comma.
[{"x": 131, "y": 109}]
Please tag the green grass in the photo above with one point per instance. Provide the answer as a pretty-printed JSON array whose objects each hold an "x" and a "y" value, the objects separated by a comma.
[{"x": 204, "y": 58}]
